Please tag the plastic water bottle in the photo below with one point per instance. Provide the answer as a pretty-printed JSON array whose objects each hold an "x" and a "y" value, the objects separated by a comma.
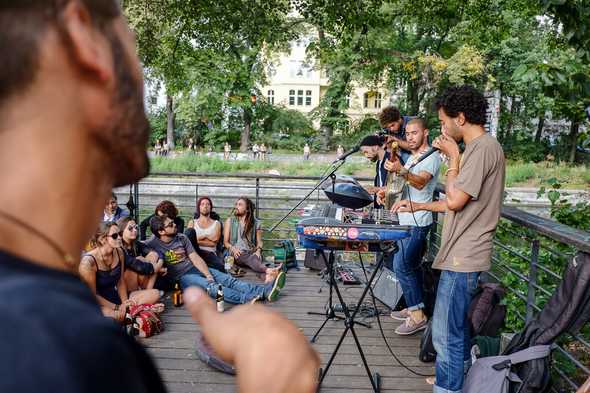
[
  {"x": 219, "y": 299},
  {"x": 229, "y": 263}
]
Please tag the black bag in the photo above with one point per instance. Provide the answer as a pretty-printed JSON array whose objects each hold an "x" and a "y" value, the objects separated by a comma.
[
  {"x": 486, "y": 315},
  {"x": 314, "y": 260},
  {"x": 430, "y": 279},
  {"x": 427, "y": 354}
]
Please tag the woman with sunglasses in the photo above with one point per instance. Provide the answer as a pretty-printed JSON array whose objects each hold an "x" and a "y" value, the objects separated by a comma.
[
  {"x": 103, "y": 271},
  {"x": 142, "y": 264}
]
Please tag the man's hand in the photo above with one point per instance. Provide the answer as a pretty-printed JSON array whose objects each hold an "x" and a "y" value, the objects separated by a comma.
[
  {"x": 381, "y": 196},
  {"x": 395, "y": 166},
  {"x": 404, "y": 206},
  {"x": 447, "y": 145},
  {"x": 250, "y": 335}
]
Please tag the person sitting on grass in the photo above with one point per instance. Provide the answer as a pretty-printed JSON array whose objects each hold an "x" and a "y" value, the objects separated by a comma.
[
  {"x": 186, "y": 267},
  {"x": 103, "y": 268},
  {"x": 142, "y": 265},
  {"x": 164, "y": 208},
  {"x": 243, "y": 239},
  {"x": 204, "y": 232}
]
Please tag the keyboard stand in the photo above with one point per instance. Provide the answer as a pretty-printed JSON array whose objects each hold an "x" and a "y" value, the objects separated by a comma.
[{"x": 349, "y": 322}]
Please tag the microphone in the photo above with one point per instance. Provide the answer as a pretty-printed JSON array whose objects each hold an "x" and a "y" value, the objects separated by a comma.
[
  {"x": 424, "y": 156},
  {"x": 348, "y": 153}
]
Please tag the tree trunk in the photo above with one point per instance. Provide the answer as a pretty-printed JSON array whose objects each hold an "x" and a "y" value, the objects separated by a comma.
[
  {"x": 511, "y": 118},
  {"x": 245, "y": 138},
  {"x": 413, "y": 105},
  {"x": 574, "y": 128},
  {"x": 170, "y": 121},
  {"x": 540, "y": 126}
]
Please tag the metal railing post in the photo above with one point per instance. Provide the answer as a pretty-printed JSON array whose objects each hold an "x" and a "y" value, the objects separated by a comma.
[
  {"x": 257, "y": 198},
  {"x": 434, "y": 229},
  {"x": 530, "y": 301},
  {"x": 136, "y": 195},
  {"x": 196, "y": 194}
]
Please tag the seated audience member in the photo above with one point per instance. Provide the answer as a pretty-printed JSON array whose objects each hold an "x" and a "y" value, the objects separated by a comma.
[
  {"x": 142, "y": 265},
  {"x": 102, "y": 269},
  {"x": 164, "y": 208},
  {"x": 243, "y": 239},
  {"x": 204, "y": 232},
  {"x": 188, "y": 268},
  {"x": 112, "y": 211}
]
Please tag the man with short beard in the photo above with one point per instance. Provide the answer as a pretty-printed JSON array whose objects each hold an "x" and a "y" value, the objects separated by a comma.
[
  {"x": 421, "y": 181},
  {"x": 373, "y": 150},
  {"x": 243, "y": 239},
  {"x": 72, "y": 127}
]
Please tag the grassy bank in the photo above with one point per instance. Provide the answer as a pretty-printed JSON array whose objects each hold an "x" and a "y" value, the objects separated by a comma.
[
  {"x": 184, "y": 164},
  {"x": 518, "y": 174}
]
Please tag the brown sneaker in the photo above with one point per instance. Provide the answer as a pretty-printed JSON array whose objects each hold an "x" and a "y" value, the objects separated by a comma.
[
  {"x": 401, "y": 315},
  {"x": 410, "y": 327}
]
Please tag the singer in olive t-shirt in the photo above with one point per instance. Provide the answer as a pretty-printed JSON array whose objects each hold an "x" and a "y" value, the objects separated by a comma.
[{"x": 467, "y": 235}]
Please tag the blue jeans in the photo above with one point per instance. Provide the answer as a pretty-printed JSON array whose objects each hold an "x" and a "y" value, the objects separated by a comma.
[
  {"x": 234, "y": 290},
  {"x": 450, "y": 329},
  {"x": 406, "y": 265}
]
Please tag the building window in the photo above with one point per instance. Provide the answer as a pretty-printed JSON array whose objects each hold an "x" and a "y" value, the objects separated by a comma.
[
  {"x": 366, "y": 100},
  {"x": 271, "y": 97},
  {"x": 308, "y": 98},
  {"x": 378, "y": 98},
  {"x": 299, "y": 97},
  {"x": 291, "y": 97},
  {"x": 372, "y": 100}
]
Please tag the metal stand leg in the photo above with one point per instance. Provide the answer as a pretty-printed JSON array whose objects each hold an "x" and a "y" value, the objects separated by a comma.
[
  {"x": 329, "y": 313},
  {"x": 349, "y": 323}
]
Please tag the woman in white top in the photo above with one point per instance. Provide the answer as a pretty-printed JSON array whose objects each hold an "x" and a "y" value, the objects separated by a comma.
[{"x": 204, "y": 232}]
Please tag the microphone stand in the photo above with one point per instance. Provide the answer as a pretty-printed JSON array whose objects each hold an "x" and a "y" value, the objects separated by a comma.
[{"x": 331, "y": 175}]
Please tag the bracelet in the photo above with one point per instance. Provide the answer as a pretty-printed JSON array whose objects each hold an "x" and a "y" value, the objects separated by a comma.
[{"x": 450, "y": 170}]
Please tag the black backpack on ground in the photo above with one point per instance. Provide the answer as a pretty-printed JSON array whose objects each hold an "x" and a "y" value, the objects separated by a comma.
[
  {"x": 427, "y": 354},
  {"x": 486, "y": 315}
]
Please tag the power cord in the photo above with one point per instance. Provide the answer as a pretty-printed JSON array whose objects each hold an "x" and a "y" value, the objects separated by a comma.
[{"x": 383, "y": 333}]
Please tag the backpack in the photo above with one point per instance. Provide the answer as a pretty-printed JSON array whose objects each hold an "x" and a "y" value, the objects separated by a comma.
[
  {"x": 486, "y": 314},
  {"x": 284, "y": 253},
  {"x": 494, "y": 374}
]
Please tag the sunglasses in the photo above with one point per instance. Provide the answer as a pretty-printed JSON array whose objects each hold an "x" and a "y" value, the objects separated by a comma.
[
  {"x": 170, "y": 225},
  {"x": 133, "y": 227},
  {"x": 114, "y": 236}
]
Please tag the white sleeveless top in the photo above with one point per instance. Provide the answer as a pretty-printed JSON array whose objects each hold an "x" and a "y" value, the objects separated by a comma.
[{"x": 209, "y": 232}]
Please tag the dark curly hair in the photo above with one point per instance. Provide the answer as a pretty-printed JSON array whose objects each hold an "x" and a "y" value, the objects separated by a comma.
[
  {"x": 389, "y": 115},
  {"x": 466, "y": 99},
  {"x": 168, "y": 208}
]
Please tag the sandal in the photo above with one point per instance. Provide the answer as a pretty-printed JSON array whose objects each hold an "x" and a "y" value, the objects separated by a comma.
[{"x": 237, "y": 272}]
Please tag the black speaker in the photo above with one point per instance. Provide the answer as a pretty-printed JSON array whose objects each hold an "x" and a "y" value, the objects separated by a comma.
[
  {"x": 387, "y": 288},
  {"x": 314, "y": 260}
]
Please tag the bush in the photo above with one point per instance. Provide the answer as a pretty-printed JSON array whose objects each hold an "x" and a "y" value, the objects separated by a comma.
[{"x": 522, "y": 147}]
